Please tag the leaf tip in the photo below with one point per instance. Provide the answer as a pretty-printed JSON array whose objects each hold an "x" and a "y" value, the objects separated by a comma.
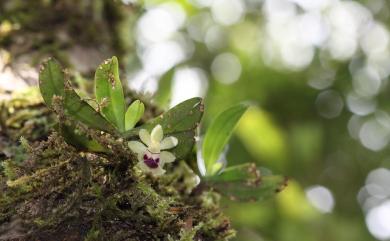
[
  {"x": 283, "y": 185},
  {"x": 114, "y": 60}
]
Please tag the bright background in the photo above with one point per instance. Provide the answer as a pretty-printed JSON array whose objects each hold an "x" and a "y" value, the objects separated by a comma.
[{"x": 317, "y": 73}]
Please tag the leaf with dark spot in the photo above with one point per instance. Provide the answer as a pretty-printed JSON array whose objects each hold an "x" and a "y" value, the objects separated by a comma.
[
  {"x": 109, "y": 93},
  {"x": 80, "y": 110},
  {"x": 51, "y": 81},
  {"x": 246, "y": 182}
]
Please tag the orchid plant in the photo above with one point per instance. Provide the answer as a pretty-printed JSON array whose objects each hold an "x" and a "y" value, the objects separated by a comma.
[{"x": 161, "y": 140}]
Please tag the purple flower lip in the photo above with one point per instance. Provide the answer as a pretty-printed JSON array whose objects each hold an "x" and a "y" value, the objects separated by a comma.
[{"x": 150, "y": 162}]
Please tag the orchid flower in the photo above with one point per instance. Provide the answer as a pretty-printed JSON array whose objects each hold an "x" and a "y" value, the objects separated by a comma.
[{"x": 150, "y": 151}]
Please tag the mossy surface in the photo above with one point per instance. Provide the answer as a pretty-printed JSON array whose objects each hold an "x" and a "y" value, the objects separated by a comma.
[{"x": 50, "y": 190}]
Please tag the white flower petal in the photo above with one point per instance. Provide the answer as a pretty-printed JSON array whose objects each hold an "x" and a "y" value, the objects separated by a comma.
[
  {"x": 157, "y": 134},
  {"x": 166, "y": 157},
  {"x": 154, "y": 155},
  {"x": 157, "y": 171},
  {"x": 154, "y": 171},
  {"x": 169, "y": 142},
  {"x": 145, "y": 137},
  {"x": 143, "y": 166},
  {"x": 137, "y": 147},
  {"x": 154, "y": 147},
  {"x": 140, "y": 157}
]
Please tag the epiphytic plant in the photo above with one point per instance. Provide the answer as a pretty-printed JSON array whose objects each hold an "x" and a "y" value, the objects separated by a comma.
[{"x": 164, "y": 139}]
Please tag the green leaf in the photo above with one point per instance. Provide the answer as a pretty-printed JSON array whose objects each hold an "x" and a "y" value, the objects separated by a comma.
[
  {"x": 163, "y": 94},
  {"x": 80, "y": 110},
  {"x": 180, "y": 121},
  {"x": 218, "y": 135},
  {"x": 133, "y": 114},
  {"x": 186, "y": 142},
  {"x": 247, "y": 183},
  {"x": 80, "y": 141},
  {"x": 109, "y": 93},
  {"x": 183, "y": 117},
  {"x": 52, "y": 83},
  {"x": 51, "y": 80}
]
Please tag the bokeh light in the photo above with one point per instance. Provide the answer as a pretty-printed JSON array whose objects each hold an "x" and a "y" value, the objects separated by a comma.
[
  {"x": 188, "y": 82},
  {"x": 226, "y": 68},
  {"x": 321, "y": 198}
]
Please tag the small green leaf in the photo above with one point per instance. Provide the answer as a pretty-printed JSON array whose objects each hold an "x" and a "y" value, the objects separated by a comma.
[
  {"x": 80, "y": 110},
  {"x": 180, "y": 122},
  {"x": 163, "y": 94},
  {"x": 109, "y": 93},
  {"x": 133, "y": 114},
  {"x": 79, "y": 140},
  {"x": 218, "y": 135},
  {"x": 51, "y": 80},
  {"x": 247, "y": 183}
]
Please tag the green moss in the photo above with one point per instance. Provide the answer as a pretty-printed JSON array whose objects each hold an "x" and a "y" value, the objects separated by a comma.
[
  {"x": 57, "y": 192},
  {"x": 93, "y": 235},
  {"x": 9, "y": 169}
]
